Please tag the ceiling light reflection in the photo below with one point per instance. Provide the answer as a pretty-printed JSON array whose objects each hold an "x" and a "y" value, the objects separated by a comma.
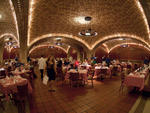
[
  {"x": 81, "y": 20},
  {"x": 0, "y": 16}
]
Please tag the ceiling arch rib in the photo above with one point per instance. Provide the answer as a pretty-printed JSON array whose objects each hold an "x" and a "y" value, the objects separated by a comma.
[
  {"x": 130, "y": 10},
  {"x": 44, "y": 45},
  {"x": 119, "y": 35},
  {"x": 97, "y": 43},
  {"x": 144, "y": 16},
  {"x": 140, "y": 45},
  {"x": 8, "y": 22},
  {"x": 9, "y": 35},
  {"x": 31, "y": 9},
  {"x": 73, "y": 39},
  {"x": 49, "y": 44},
  {"x": 103, "y": 47},
  {"x": 146, "y": 7},
  {"x": 119, "y": 40},
  {"x": 15, "y": 19},
  {"x": 106, "y": 48}
]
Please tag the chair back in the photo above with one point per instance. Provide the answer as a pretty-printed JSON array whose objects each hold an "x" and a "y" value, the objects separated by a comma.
[
  {"x": 91, "y": 72},
  {"x": 22, "y": 90},
  {"x": 10, "y": 74},
  {"x": 115, "y": 69},
  {"x": 128, "y": 66},
  {"x": 59, "y": 71},
  {"x": 103, "y": 71},
  {"x": 122, "y": 76},
  {"x": 2, "y": 74},
  {"x": 135, "y": 66},
  {"x": 1, "y": 103},
  {"x": 84, "y": 67},
  {"x": 121, "y": 67},
  {"x": 74, "y": 76}
]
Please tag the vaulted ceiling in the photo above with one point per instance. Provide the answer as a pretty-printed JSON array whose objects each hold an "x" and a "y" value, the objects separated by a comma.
[
  {"x": 47, "y": 20},
  {"x": 7, "y": 21}
]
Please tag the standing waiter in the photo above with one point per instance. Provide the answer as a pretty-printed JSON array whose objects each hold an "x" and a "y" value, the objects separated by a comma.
[{"x": 42, "y": 64}]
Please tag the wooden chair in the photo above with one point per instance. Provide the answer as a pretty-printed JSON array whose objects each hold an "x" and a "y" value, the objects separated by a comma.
[
  {"x": 2, "y": 74},
  {"x": 60, "y": 75},
  {"x": 81, "y": 80},
  {"x": 1, "y": 103},
  {"x": 114, "y": 70},
  {"x": 129, "y": 68},
  {"x": 102, "y": 74},
  {"x": 135, "y": 67},
  {"x": 20, "y": 97},
  {"x": 74, "y": 79},
  {"x": 91, "y": 75},
  {"x": 83, "y": 67},
  {"x": 122, "y": 81}
]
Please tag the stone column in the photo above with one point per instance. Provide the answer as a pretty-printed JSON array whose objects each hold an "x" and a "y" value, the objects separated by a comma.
[
  {"x": 23, "y": 54},
  {"x": 22, "y": 18},
  {"x": 68, "y": 55},
  {"x": 23, "y": 43},
  {"x": 82, "y": 56},
  {"x": 90, "y": 54},
  {"x": 1, "y": 50},
  {"x": 78, "y": 56}
]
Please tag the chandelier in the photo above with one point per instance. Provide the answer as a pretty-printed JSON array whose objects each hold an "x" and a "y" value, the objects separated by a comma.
[
  {"x": 89, "y": 31},
  {"x": 58, "y": 42},
  {"x": 124, "y": 45},
  {"x": 10, "y": 43}
]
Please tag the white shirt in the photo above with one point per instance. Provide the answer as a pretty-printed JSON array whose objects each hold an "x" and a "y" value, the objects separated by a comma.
[
  {"x": 41, "y": 63},
  {"x": 70, "y": 59}
]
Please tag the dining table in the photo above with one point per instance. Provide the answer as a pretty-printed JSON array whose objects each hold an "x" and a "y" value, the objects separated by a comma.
[
  {"x": 9, "y": 85},
  {"x": 136, "y": 79},
  {"x": 82, "y": 72},
  {"x": 87, "y": 66},
  {"x": 99, "y": 68},
  {"x": 20, "y": 72}
]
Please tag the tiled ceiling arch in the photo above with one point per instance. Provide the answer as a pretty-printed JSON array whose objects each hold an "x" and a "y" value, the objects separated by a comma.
[
  {"x": 65, "y": 49},
  {"x": 128, "y": 45},
  {"x": 113, "y": 42},
  {"x": 7, "y": 19},
  {"x": 65, "y": 41},
  {"x": 109, "y": 17}
]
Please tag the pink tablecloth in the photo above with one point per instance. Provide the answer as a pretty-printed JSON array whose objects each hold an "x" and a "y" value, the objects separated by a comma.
[
  {"x": 20, "y": 72},
  {"x": 9, "y": 85},
  {"x": 98, "y": 70},
  {"x": 135, "y": 80},
  {"x": 82, "y": 73},
  {"x": 85, "y": 66}
]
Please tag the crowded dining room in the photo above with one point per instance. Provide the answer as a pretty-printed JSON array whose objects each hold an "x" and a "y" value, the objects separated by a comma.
[{"x": 74, "y": 56}]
